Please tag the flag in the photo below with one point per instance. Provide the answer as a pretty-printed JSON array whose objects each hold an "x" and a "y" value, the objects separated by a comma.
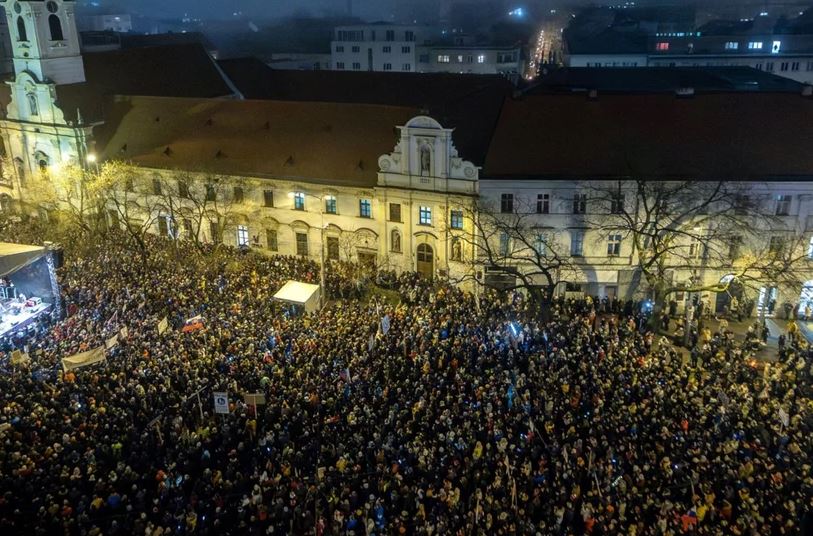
[
  {"x": 163, "y": 325},
  {"x": 509, "y": 396},
  {"x": 114, "y": 318},
  {"x": 385, "y": 324},
  {"x": 371, "y": 342}
]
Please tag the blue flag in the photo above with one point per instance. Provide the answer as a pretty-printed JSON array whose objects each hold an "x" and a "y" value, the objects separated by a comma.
[{"x": 510, "y": 396}]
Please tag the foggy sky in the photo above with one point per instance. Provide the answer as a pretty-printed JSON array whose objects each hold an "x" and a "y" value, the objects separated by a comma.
[{"x": 368, "y": 9}]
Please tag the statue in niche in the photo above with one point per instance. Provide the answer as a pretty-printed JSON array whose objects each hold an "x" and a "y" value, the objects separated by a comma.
[
  {"x": 426, "y": 160},
  {"x": 457, "y": 250}
]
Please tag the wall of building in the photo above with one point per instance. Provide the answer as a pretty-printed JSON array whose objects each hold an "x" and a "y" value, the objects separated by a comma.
[{"x": 471, "y": 60}]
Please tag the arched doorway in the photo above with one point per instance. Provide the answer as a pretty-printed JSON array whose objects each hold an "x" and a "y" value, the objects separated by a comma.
[
  {"x": 426, "y": 261},
  {"x": 805, "y": 299},
  {"x": 735, "y": 289}
]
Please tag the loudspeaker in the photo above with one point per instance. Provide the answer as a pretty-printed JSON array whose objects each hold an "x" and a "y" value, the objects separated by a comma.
[{"x": 59, "y": 257}]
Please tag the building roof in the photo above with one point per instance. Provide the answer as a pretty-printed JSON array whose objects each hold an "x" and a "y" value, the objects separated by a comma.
[
  {"x": 174, "y": 70},
  {"x": 606, "y": 41},
  {"x": 739, "y": 136},
  {"x": 661, "y": 79},
  {"x": 314, "y": 142},
  {"x": 468, "y": 103}
]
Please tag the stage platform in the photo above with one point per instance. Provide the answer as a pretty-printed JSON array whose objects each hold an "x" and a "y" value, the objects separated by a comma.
[{"x": 10, "y": 322}]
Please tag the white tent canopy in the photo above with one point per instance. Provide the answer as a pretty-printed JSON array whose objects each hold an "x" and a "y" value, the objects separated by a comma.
[{"x": 299, "y": 293}]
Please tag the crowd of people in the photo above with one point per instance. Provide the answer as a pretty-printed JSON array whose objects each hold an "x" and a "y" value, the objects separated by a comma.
[{"x": 434, "y": 413}]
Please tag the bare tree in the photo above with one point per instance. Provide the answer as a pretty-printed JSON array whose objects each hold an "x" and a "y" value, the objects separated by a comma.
[
  {"x": 205, "y": 201},
  {"x": 515, "y": 245},
  {"x": 691, "y": 227},
  {"x": 130, "y": 200}
]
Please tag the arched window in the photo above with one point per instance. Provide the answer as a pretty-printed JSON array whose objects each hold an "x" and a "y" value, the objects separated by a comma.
[
  {"x": 22, "y": 34},
  {"x": 395, "y": 241},
  {"x": 32, "y": 104},
  {"x": 56, "y": 28}
]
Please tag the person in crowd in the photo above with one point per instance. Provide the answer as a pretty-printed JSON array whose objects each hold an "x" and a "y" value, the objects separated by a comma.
[{"x": 459, "y": 414}]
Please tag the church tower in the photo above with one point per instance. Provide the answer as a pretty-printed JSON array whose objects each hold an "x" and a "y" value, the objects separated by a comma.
[
  {"x": 45, "y": 40},
  {"x": 46, "y": 54}
]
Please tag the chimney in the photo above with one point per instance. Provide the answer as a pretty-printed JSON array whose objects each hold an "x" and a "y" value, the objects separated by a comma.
[{"x": 807, "y": 91}]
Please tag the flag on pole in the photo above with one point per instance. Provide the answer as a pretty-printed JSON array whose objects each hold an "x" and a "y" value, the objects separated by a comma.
[
  {"x": 114, "y": 318},
  {"x": 385, "y": 324}
]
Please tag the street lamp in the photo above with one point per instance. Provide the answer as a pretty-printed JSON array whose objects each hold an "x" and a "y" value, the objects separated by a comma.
[{"x": 321, "y": 245}]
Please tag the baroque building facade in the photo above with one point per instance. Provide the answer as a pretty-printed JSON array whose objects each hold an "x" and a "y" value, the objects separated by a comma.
[{"x": 395, "y": 184}]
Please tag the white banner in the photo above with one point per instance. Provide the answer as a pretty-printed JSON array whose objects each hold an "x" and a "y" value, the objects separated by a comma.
[
  {"x": 123, "y": 332},
  {"x": 111, "y": 342},
  {"x": 784, "y": 417},
  {"x": 84, "y": 359},
  {"x": 163, "y": 325},
  {"x": 221, "y": 402},
  {"x": 19, "y": 358}
]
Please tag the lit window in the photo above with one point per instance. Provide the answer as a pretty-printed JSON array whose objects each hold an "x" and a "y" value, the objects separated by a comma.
[
  {"x": 330, "y": 204},
  {"x": 242, "y": 235},
  {"x": 299, "y": 201},
  {"x": 732, "y": 45},
  {"x": 425, "y": 215},
  {"x": 443, "y": 58},
  {"x": 755, "y": 45},
  {"x": 775, "y": 47},
  {"x": 614, "y": 245},
  {"x": 481, "y": 58},
  {"x": 662, "y": 46},
  {"x": 456, "y": 219},
  {"x": 365, "y": 208}
]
